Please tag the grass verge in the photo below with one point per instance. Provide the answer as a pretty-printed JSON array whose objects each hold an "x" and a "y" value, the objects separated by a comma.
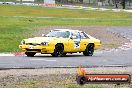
[{"x": 43, "y": 84}]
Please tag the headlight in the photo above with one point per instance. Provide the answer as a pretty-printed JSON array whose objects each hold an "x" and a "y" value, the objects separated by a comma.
[
  {"x": 22, "y": 42},
  {"x": 44, "y": 43}
]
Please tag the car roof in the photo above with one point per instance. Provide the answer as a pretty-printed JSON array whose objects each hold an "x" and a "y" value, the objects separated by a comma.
[{"x": 70, "y": 30}]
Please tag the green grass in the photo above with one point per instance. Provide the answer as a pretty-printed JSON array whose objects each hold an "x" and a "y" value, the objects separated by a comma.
[
  {"x": 42, "y": 84},
  {"x": 18, "y": 22},
  {"x": 62, "y": 84},
  {"x": 28, "y": 84},
  {"x": 36, "y": 11},
  {"x": 86, "y": 86}
]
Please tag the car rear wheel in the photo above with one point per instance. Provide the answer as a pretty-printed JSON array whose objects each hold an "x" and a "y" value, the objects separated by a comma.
[
  {"x": 58, "y": 51},
  {"x": 30, "y": 54},
  {"x": 89, "y": 50}
]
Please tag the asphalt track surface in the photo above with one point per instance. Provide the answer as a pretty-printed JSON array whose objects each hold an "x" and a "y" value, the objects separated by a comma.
[{"x": 100, "y": 58}]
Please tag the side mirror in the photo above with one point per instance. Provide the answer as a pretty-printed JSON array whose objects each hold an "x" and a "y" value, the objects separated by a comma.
[{"x": 43, "y": 35}]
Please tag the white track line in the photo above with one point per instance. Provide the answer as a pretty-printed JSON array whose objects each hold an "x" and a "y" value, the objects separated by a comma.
[
  {"x": 4, "y": 54},
  {"x": 42, "y": 60}
]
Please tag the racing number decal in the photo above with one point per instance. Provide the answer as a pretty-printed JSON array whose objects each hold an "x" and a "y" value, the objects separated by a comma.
[{"x": 76, "y": 44}]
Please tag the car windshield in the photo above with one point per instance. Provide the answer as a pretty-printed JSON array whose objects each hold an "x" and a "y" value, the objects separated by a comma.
[{"x": 64, "y": 34}]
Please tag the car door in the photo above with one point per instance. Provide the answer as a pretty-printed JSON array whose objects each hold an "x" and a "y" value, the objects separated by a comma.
[
  {"x": 75, "y": 41},
  {"x": 84, "y": 41}
]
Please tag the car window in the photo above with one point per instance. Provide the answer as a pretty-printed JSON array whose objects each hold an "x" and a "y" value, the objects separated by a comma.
[
  {"x": 76, "y": 34},
  {"x": 58, "y": 34},
  {"x": 83, "y": 35}
]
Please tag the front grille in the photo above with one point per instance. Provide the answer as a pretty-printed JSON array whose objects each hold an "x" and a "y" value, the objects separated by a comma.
[
  {"x": 34, "y": 44},
  {"x": 38, "y": 50}
]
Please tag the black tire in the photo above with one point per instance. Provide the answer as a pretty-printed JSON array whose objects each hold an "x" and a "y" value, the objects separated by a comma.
[
  {"x": 89, "y": 50},
  {"x": 58, "y": 51},
  {"x": 81, "y": 80},
  {"x": 30, "y": 54},
  {"x": 64, "y": 54}
]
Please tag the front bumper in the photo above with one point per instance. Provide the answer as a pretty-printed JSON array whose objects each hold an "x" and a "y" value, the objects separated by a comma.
[{"x": 37, "y": 48}]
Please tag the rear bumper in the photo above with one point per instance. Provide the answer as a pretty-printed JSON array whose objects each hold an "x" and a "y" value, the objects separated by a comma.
[{"x": 37, "y": 48}]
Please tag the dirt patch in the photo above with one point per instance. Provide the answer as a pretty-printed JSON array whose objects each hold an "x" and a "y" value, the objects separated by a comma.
[
  {"x": 56, "y": 77},
  {"x": 109, "y": 40}
]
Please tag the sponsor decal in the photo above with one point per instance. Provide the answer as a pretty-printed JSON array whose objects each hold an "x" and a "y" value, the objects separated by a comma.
[{"x": 83, "y": 78}]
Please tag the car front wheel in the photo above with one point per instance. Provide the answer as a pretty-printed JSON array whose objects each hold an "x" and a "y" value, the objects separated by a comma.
[
  {"x": 89, "y": 50},
  {"x": 30, "y": 54},
  {"x": 58, "y": 51}
]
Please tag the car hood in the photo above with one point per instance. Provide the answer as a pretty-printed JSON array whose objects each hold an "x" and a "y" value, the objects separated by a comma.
[{"x": 39, "y": 40}]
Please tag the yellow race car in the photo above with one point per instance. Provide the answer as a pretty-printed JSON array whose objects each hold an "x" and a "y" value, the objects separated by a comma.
[{"x": 59, "y": 42}]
